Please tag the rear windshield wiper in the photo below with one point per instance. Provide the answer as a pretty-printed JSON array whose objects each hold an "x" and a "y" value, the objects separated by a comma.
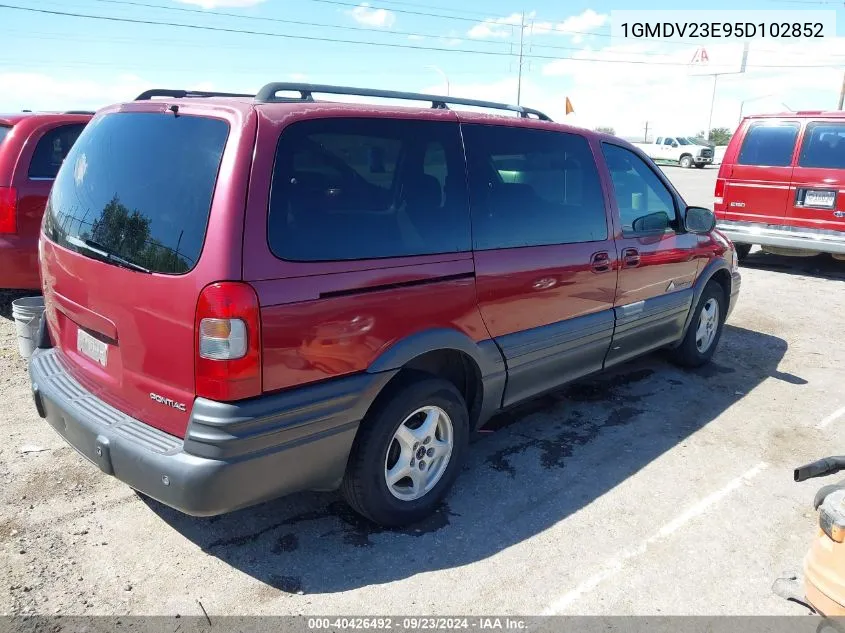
[{"x": 108, "y": 255}]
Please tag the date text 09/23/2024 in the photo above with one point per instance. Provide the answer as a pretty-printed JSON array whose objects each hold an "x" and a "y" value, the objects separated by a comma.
[{"x": 416, "y": 624}]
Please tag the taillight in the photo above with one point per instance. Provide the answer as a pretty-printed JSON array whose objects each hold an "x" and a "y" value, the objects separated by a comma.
[
  {"x": 720, "y": 191},
  {"x": 8, "y": 210},
  {"x": 228, "y": 342}
]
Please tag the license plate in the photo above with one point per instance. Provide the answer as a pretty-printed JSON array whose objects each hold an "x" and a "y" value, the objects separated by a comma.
[
  {"x": 820, "y": 199},
  {"x": 91, "y": 347}
]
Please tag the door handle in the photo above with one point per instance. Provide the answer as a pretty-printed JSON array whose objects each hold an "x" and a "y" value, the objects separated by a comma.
[
  {"x": 600, "y": 262},
  {"x": 630, "y": 258}
]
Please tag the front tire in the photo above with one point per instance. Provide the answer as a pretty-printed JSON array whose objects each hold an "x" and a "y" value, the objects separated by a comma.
[
  {"x": 705, "y": 329},
  {"x": 408, "y": 452},
  {"x": 686, "y": 161},
  {"x": 701, "y": 165}
]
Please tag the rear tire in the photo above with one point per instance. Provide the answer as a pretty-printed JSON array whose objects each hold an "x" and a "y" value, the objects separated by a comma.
[
  {"x": 742, "y": 250},
  {"x": 685, "y": 161},
  {"x": 417, "y": 437},
  {"x": 705, "y": 329}
]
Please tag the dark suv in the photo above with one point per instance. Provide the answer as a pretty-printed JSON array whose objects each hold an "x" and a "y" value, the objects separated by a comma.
[
  {"x": 249, "y": 296},
  {"x": 32, "y": 148}
]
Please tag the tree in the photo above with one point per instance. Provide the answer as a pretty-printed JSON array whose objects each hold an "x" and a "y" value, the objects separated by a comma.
[
  {"x": 606, "y": 129},
  {"x": 718, "y": 135}
]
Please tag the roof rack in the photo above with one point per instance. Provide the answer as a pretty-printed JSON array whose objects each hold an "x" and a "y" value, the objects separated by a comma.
[
  {"x": 80, "y": 112},
  {"x": 268, "y": 95},
  {"x": 181, "y": 94}
]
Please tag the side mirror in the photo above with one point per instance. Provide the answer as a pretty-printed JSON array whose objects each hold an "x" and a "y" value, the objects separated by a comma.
[
  {"x": 699, "y": 220},
  {"x": 675, "y": 144},
  {"x": 651, "y": 223}
]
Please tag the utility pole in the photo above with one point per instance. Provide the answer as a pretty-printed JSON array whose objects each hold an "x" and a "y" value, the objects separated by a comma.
[
  {"x": 645, "y": 138},
  {"x": 842, "y": 93},
  {"x": 521, "y": 59}
]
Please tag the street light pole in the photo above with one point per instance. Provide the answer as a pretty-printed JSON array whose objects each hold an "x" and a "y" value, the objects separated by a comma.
[
  {"x": 742, "y": 103},
  {"x": 442, "y": 74},
  {"x": 715, "y": 81}
]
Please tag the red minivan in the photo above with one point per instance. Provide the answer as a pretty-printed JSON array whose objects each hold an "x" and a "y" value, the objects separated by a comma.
[
  {"x": 248, "y": 296},
  {"x": 33, "y": 146},
  {"x": 782, "y": 184}
]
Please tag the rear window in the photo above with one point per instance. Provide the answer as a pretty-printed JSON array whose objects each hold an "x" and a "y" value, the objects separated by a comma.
[
  {"x": 769, "y": 145},
  {"x": 351, "y": 189},
  {"x": 824, "y": 146},
  {"x": 139, "y": 186}
]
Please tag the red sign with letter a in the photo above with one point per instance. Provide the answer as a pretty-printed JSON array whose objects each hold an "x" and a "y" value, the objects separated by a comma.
[{"x": 700, "y": 56}]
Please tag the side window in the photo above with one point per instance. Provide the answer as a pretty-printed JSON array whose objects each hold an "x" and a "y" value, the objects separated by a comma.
[
  {"x": 645, "y": 204},
  {"x": 52, "y": 149},
  {"x": 823, "y": 146},
  {"x": 659, "y": 140},
  {"x": 532, "y": 187},
  {"x": 769, "y": 145},
  {"x": 351, "y": 189},
  {"x": 669, "y": 141}
]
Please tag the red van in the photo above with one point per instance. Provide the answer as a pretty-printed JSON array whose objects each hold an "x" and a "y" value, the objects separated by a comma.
[
  {"x": 33, "y": 146},
  {"x": 251, "y": 296},
  {"x": 782, "y": 184}
]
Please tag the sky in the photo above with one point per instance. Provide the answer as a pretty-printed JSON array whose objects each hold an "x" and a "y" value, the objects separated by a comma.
[{"x": 56, "y": 62}]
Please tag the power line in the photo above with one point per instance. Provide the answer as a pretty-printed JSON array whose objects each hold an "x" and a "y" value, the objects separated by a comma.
[
  {"x": 381, "y": 31},
  {"x": 257, "y": 18},
  {"x": 364, "y": 43}
]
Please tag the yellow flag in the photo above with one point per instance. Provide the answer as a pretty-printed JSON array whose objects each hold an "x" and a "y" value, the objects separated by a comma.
[{"x": 569, "y": 108}]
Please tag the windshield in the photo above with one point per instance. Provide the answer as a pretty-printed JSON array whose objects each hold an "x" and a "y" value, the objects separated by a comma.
[
  {"x": 138, "y": 188},
  {"x": 684, "y": 141}
]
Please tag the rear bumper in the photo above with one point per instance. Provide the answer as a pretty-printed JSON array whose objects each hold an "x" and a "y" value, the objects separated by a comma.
[
  {"x": 782, "y": 236},
  {"x": 233, "y": 455},
  {"x": 19, "y": 263}
]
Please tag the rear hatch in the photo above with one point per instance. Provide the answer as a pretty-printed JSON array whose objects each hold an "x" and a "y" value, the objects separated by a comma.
[
  {"x": 817, "y": 195},
  {"x": 135, "y": 227}
]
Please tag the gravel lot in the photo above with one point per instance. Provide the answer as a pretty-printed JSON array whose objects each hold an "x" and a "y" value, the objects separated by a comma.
[{"x": 648, "y": 490}]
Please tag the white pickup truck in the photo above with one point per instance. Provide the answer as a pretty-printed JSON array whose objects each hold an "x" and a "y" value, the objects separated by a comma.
[{"x": 680, "y": 149}]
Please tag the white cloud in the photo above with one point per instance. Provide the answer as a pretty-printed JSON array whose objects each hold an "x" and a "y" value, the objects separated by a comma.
[
  {"x": 40, "y": 91},
  {"x": 379, "y": 18},
  {"x": 496, "y": 27},
  {"x": 581, "y": 24},
  {"x": 626, "y": 95},
  {"x": 217, "y": 4},
  {"x": 298, "y": 77},
  {"x": 576, "y": 26},
  {"x": 416, "y": 38},
  {"x": 669, "y": 97}
]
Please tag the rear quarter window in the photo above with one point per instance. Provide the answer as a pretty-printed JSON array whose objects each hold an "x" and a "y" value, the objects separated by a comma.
[
  {"x": 769, "y": 144},
  {"x": 139, "y": 185},
  {"x": 4, "y": 132},
  {"x": 823, "y": 146}
]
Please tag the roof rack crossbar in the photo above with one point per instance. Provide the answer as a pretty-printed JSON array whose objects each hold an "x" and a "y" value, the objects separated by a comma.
[
  {"x": 80, "y": 112},
  {"x": 268, "y": 94},
  {"x": 181, "y": 94}
]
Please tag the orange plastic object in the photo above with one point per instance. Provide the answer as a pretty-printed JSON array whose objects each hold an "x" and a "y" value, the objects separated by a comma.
[{"x": 824, "y": 565}]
